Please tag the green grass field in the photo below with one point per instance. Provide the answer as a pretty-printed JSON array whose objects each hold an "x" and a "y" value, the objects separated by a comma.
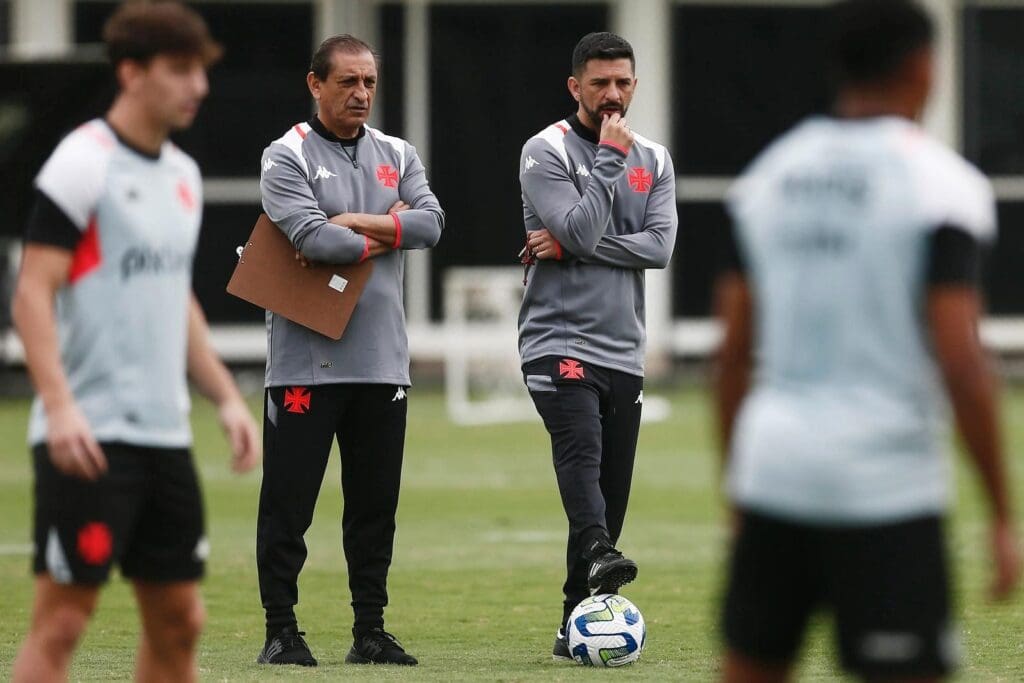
[{"x": 479, "y": 561}]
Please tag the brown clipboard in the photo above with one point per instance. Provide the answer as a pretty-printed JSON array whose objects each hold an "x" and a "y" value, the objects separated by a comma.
[{"x": 319, "y": 296}]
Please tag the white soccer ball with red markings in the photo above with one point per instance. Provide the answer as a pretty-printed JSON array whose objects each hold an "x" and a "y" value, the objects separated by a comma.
[{"x": 606, "y": 630}]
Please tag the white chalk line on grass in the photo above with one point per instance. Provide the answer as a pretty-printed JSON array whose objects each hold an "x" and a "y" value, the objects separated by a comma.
[
  {"x": 528, "y": 536},
  {"x": 15, "y": 549}
]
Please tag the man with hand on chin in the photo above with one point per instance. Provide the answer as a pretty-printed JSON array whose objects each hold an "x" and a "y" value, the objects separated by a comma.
[
  {"x": 342, "y": 192},
  {"x": 599, "y": 208}
]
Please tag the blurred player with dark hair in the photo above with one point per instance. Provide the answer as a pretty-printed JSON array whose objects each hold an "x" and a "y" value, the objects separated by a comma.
[
  {"x": 110, "y": 326},
  {"x": 854, "y": 271}
]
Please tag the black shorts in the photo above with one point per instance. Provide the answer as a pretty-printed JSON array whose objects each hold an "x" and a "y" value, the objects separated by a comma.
[
  {"x": 888, "y": 587},
  {"x": 145, "y": 514}
]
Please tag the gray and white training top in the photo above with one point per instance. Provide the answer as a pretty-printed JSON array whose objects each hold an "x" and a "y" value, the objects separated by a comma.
[
  {"x": 309, "y": 175},
  {"x": 132, "y": 221},
  {"x": 614, "y": 215},
  {"x": 842, "y": 226}
]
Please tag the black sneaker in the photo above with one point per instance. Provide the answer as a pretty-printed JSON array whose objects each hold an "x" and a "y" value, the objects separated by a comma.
[
  {"x": 377, "y": 646},
  {"x": 560, "y": 652},
  {"x": 287, "y": 647},
  {"x": 609, "y": 570}
]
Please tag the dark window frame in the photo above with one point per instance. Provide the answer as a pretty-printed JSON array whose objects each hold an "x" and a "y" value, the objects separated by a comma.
[{"x": 992, "y": 100}]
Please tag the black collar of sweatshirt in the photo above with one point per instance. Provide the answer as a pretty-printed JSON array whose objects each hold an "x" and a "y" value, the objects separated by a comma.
[
  {"x": 581, "y": 130},
  {"x": 316, "y": 124},
  {"x": 124, "y": 141}
]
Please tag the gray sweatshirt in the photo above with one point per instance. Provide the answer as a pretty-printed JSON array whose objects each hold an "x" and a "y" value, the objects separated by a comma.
[
  {"x": 309, "y": 175},
  {"x": 615, "y": 216}
]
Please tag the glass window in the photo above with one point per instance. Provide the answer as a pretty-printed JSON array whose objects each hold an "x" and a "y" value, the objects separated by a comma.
[
  {"x": 40, "y": 102},
  {"x": 256, "y": 92},
  {"x": 225, "y": 228},
  {"x": 391, "y": 91},
  {"x": 1003, "y": 285},
  {"x": 697, "y": 259},
  {"x": 742, "y": 75},
  {"x": 498, "y": 76},
  {"x": 5, "y": 22},
  {"x": 994, "y": 89}
]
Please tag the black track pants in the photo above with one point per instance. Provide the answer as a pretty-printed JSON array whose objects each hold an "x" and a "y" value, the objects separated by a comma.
[
  {"x": 299, "y": 426},
  {"x": 593, "y": 417}
]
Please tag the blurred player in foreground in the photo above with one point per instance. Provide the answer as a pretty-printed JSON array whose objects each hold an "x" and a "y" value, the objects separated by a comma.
[
  {"x": 110, "y": 326},
  {"x": 854, "y": 270}
]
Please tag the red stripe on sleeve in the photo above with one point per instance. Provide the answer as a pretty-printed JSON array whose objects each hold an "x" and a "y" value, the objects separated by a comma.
[
  {"x": 298, "y": 129},
  {"x": 615, "y": 145},
  {"x": 398, "y": 231},
  {"x": 366, "y": 249},
  {"x": 97, "y": 134},
  {"x": 87, "y": 256}
]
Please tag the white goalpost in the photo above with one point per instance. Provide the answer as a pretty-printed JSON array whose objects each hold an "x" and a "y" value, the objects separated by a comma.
[
  {"x": 482, "y": 376},
  {"x": 483, "y": 383}
]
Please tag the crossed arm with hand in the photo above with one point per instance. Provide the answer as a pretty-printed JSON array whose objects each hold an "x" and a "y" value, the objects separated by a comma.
[
  {"x": 574, "y": 223},
  {"x": 380, "y": 230},
  {"x": 541, "y": 244}
]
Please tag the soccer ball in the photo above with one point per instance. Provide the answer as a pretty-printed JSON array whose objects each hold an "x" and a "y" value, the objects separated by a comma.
[{"x": 606, "y": 630}]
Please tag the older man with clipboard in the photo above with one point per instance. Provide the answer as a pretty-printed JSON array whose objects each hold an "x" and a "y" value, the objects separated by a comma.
[{"x": 342, "y": 193}]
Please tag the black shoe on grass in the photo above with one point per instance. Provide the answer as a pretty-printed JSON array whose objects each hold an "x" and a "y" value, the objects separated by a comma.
[
  {"x": 377, "y": 646},
  {"x": 560, "y": 652},
  {"x": 287, "y": 647},
  {"x": 609, "y": 570}
]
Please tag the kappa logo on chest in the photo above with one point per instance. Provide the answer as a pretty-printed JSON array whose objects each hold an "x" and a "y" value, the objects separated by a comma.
[{"x": 323, "y": 174}]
